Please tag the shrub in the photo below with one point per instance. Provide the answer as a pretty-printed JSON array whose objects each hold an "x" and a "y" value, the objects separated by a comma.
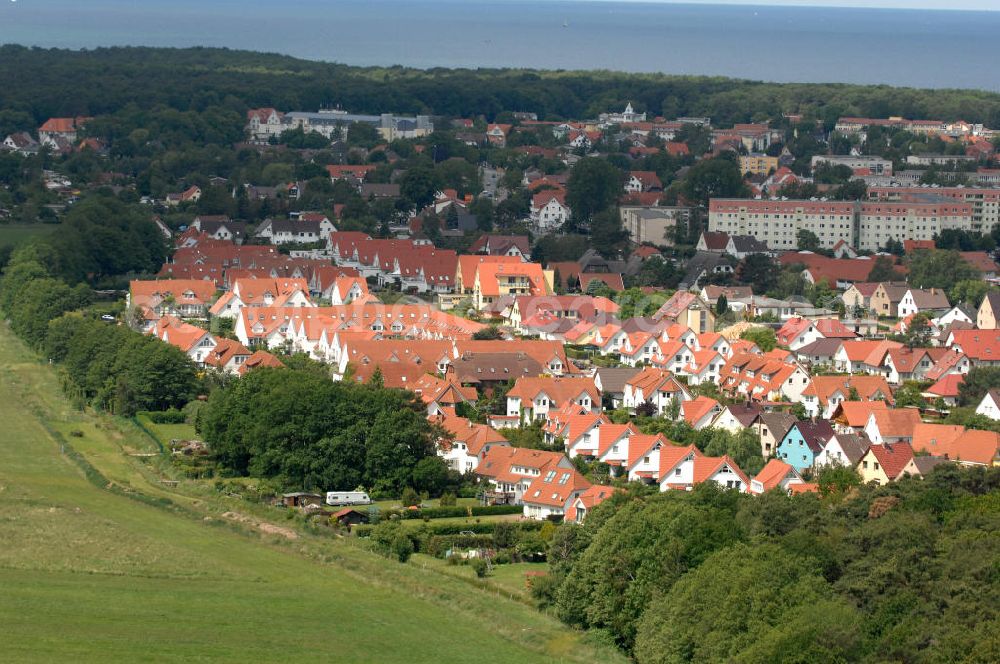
[
  {"x": 480, "y": 567},
  {"x": 402, "y": 547},
  {"x": 448, "y": 499},
  {"x": 410, "y": 497}
]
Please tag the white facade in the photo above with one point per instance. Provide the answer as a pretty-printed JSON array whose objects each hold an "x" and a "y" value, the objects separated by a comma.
[{"x": 989, "y": 407}]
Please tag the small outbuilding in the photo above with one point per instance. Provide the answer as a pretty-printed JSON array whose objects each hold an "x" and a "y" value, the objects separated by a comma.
[
  {"x": 301, "y": 499},
  {"x": 349, "y": 517}
]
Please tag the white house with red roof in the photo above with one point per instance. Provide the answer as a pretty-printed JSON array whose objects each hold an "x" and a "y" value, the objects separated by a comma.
[
  {"x": 775, "y": 475},
  {"x": 552, "y": 493},
  {"x": 533, "y": 398},
  {"x": 655, "y": 387},
  {"x": 548, "y": 210},
  {"x": 700, "y": 412},
  {"x": 587, "y": 501},
  {"x": 510, "y": 471},
  {"x": 263, "y": 123},
  {"x": 195, "y": 342}
]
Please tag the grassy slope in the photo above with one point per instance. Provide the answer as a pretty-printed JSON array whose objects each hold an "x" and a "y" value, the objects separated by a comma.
[{"x": 90, "y": 575}]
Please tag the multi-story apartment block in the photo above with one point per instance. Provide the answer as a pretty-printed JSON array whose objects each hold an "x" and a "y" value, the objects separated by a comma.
[
  {"x": 985, "y": 202},
  {"x": 756, "y": 163},
  {"x": 653, "y": 225},
  {"x": 874, "y": 165},
  {"x": 865, "y": 225}
]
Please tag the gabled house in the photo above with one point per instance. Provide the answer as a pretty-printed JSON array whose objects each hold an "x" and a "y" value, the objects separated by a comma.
[
  {"x": 700, "y": 412},
  {"x": 903, "y": 364},
  {"x": 970, "y": 447},
  {"x": 227, "y": 356},
  {"x": 858, "y": 297},
  {"x": 895, "y": 425},
  {"x": 989, "y": 405},
  {"x": 611, "y": 382},
  {"x": 586, "y": 501},
  {"x": 510, "y": 471},
  {"x": 771, "y": 427},
  {"x": 533, "y": 398},
  {"x": 687, "y": 309},
  {"x": 886, "y": 298},
  {"x": 655, "y": 389},
  {"x": 775, "y": 475},
  {"x": 736, "y": 417},
  {"x": 645, "y": 462},
  {"x": 946, "y": 389},
  {"x": 915, "y": 300},
  {"x": 193, "y": 341},
  {"x": 691, "y": 471},
  {"x": 862, "y": 356},
  {"x": 882, "y": 464},
  {"x": 843, "y": 449},
  {"x": 467, "y": 443},
  {"x": 852, "y": 416},
  {"x": 824, "y": 393},
  {"x": 982, "y": 347},
  {"x": 803, "y": 442},
  {"x": 988, "y": 315}
]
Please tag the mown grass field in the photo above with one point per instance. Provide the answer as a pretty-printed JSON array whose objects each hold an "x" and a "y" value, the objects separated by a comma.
[
  {"x": 91, "y": 574},
  {"x": 14, "y": 234}
]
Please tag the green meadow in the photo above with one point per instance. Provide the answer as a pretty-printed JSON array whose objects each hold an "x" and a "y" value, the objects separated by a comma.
[{"x": 101, "y": 561}]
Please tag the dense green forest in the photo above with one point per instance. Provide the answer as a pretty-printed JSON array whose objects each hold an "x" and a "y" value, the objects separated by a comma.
[
  {"x": 40, "y": 83},
  {"x": 903, "y": 573}
]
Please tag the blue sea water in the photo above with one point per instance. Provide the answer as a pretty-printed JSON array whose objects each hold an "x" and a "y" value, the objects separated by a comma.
[{"x": 897, "y": 47}]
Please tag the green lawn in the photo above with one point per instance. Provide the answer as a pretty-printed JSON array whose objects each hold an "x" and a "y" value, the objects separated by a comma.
[
  {"x": 15, "y": 234},
  {"x": 88, "y": 574}
]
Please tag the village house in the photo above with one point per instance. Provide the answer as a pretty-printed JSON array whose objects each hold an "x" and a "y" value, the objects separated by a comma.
[
  {"x": 307, "y": 228},
  {"x": 186, "y": 298},
  {"x": 587, "y": 501},
  {"x": 688, "y": 309},
  {"x": 804, "y": 441},
  {"x": 775, "y": 475},
  {"x": 842, "y": 449},
  {"x": 700, "y": 412},
  {"x": 467, "y": 444},
  {"x": 493, "y": 281},
  {"x": 510, "y": 472},
  {"x": 195, "y": 342},
  {"x": 886, "y": 298},
  {"x": 227, "y": 356},
  {"x": 988, "y": 315},
  {"x": 772, "y": 428},
  {"x": 655, "y": 389},
  {"x": 852, "y": 416},
  {"x": 892, "y": 425},
  {"x": 824, "y": 393},
  {"x": 532, "y": 398},
  {"x": 548, "y": 211},
  {"x": 989, "y": 405},
  {"x": 915, "y": 300},
  {"x": 885, "y": 463}
]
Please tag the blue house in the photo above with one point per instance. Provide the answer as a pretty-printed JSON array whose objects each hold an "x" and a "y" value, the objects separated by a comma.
[{"x": 803, "y": 442}]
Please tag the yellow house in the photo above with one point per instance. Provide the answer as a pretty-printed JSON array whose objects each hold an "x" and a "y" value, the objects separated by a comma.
[
  {"x": 884, "y": 463},
  {"x": 494, "y": 281},
  {"x": 986, "y": 318},
  {"x": 758, "y": 164}
]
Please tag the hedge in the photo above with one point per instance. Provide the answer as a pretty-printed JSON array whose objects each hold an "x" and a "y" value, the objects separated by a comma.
[
  {"x": 436, "y": 529},
  {"x": 172, "y": 416},
  {"x": 458, "y": 511}
]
